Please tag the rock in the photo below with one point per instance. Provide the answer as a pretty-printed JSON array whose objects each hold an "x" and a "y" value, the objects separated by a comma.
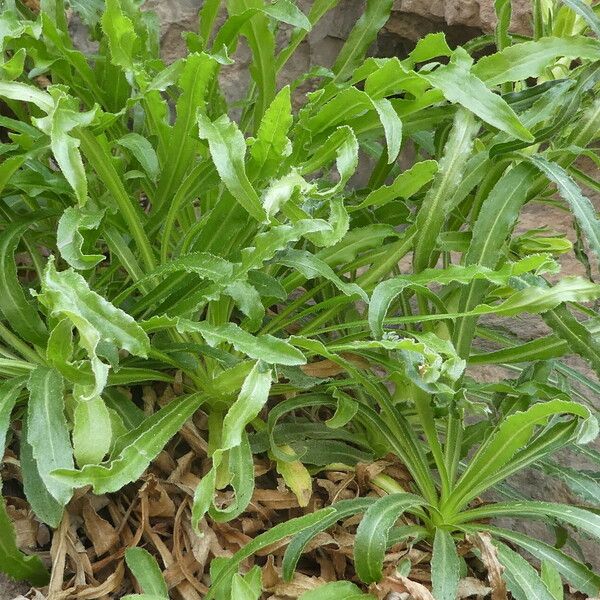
[{"x": 477, "y": 14}]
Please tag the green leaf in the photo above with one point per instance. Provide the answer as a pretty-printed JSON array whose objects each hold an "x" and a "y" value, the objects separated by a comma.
[
  {"x": 552, "y": 580},
  {"x": 445, "y": 566},
  {"x": 92, "y": 431},
  {"x": 585, "y": 520},
  {"x": 511, "y": 435},
  {"x": 371, "y": 536},
  {"x": 433, "y": 213},
  {"x": 585, "y": 11},
  {"x": 135, "y": 450},
  {"x": 62, "y": 119},
  {"x": 287, "y": 12},
  {"x": 271, "y": 536},
  {"x": 198, "y": 71},
  {"x": 13, "y": 562},
  {"x": 67, "y": 293},
  {"x": 407, "y": 184},
  {"x": 147, "y": 572},
  {"x": 342, "y": 510},
  {"x": 363, "y": 34},
  {"x": 121, "y": 35},
  {"x": 228, "y": 150},
  {"x": 460, "y": 85},
  {"x": 530, "y": 59},
  {"x": 272, "y": 144},
  {"x": 522, "y": 579},
  {"x": 44, "y": 506},
  {"x": 141, "y": 149},
  {"x": 17, "y": 309},
  {"x": 311, "y": 267},
  {"x": 69, "y": 240},
  {"x": 250, "y": 401},
  {"x": 576, "y": 573},
  {"x": 47, "y": 431},
  {"x": 580, "y": 206},
  {"x": 336, "y": 590},
  {"x": 262, "y": 347}
]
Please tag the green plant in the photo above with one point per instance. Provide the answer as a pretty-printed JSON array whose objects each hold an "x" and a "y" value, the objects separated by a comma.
[{"x": 160, "y": 236}]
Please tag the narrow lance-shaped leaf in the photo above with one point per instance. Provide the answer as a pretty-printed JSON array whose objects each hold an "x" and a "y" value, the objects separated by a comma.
[
  {"x": 371, "y": 536},
  {"x": 460, "y": 85},
  {"x": 432, "y": 214},
  {"x": 147, "y": 572},
  {"x": 262, "y": 347},
  {"x": 585, "y": 11},
  {"x": 523, "y": 580},
  {"x": 13, "y": 562},
  {"x": 47, "y": 431},
  {"x": 445, "y": 566},
  {"x": 228, "y": 150},
  {"x": 14, "y": 304},
  {"x": 581, "y": 207},
  {"x": 576, "y": 573},
  {"x": 375, "y": 16},
  {"x": 271, "y": 536}
]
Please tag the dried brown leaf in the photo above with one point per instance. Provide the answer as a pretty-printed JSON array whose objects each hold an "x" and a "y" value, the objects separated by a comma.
[{"x": 489, "y": 556}]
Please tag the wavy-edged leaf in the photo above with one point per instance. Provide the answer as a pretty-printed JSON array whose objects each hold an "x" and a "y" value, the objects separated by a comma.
[
  {"x": 69, "y": 240},
  {"x": 47, "y": 430},
  {"x": 272, "y": 144},
  {"x": 228, "y": 150},
  {"x": 61, "y": 120},
  {"x": 120, "y": 33},
  {"x": 136, "y": 449},
  {"x": 250, "y": 401},
  {"x": 262, "y": 347},
  {"x": 459, "y": 84},
  {"x": 580, "y": 206},
  {"x": 385, "y": 293},
  {"x": 530, "y": 59},
  {"x": 311, "y": 267},
  {"x": 372, "y": 533},
  {"x": 67, "y": 293}
]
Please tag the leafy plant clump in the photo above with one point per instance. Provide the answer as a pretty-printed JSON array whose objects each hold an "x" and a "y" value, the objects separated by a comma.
[{"x": 311, "y": 287}]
